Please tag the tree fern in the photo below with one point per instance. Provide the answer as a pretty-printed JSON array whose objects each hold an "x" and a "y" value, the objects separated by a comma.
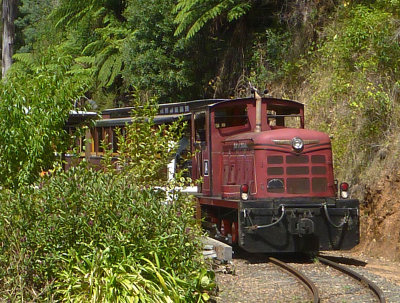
[
  {"x": 193, "y": 15},
  {"x": 85, "y": 60},
  {"x": 107, "y": 51},
  {"x": 238, "y": 11},
  {"x": 101, "y": 53},
  {"x": 115, "y": 71},
  {"x": 207, "y": 16},
  {"x": 71, "y": 11}
]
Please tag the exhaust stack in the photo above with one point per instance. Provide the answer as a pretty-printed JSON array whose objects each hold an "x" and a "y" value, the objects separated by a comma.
[{"x": 258, "y": 111}]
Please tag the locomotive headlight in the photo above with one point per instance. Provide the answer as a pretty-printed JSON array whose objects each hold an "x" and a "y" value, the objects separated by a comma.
[
  {"x": 244, "y": 192},
  {"x": 344, "y": 190},
  {"x": 297, "y": 144}
]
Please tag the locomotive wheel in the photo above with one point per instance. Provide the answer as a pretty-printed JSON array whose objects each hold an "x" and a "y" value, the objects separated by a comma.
[
  {"x": 225, "y": 227},
  {"x": 234, "y": 231}
]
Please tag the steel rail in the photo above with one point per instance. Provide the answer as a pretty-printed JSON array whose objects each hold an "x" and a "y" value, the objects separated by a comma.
[
  {"x": 300, "y": 276},
  {"x": 376, "y": 290}
]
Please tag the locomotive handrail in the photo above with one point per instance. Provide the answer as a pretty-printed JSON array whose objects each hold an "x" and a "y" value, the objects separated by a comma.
[
  {"x": 254, "y": 227},
  {"x": 345, "y": 218}
]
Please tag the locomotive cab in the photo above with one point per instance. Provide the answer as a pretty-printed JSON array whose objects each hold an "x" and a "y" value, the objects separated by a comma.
[{"x": 268, "y": 183}]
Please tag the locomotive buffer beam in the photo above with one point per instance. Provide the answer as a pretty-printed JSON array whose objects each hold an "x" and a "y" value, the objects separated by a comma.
[{"x": 299, "y": 220}]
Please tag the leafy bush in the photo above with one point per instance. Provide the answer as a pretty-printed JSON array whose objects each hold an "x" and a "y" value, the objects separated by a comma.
[
  {"x": 109, "y": 235},
  {"x": 87, "y": 235},
  {"x": 35, "y": 101},
  {"x": 145, "y": 149},
  {"x": 269, "y": 62}
]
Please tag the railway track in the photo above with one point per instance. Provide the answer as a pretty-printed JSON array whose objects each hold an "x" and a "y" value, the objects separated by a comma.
[
  {"x": 314, "y": 293},
  {"x": 313, "y": 290},
  {"x": 363, "y": 280}
]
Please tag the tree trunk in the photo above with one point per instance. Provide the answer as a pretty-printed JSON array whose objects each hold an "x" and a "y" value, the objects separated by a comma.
[{"x": 9, "y": 10}]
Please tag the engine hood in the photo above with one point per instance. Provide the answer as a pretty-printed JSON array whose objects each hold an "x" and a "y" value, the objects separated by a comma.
[{"x": 280, "y": 137}]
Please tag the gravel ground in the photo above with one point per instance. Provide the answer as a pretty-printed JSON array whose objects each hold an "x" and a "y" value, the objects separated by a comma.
[
  {"x": 250, "y": 278},
  {"x": 259, "y": 282}
]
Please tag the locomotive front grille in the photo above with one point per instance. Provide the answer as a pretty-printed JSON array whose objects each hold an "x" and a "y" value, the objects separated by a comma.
[{"x": 297, "y": 174}]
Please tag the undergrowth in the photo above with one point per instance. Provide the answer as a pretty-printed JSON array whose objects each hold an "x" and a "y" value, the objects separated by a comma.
[
  {"x": 90, "y": 236},
  {"x": 118, "y": 234},
  {"x": 351, "y": 82}
]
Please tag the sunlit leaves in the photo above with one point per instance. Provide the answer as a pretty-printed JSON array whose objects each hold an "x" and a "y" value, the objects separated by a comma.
[
  {"x": 192, "y": 15},
  {"x": 34, "y": 105},
  {"x": 94, "y": 236}
]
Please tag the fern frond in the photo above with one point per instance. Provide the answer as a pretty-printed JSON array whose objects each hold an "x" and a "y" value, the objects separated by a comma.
[
  {"x": 69, "y": 12},
  {"x": 116, "y": 70},
  {"x": 93, "y": 47},
  {"x": 25, "y": 58},
  {"x": 105, "y": 71},
  {"x": 186, "y": 11},
  {"x": 207, "y": 16},
  {"x": 238, "y": 11},
  {"x": 86, "y": 60},
  {"x": 193, "y": 15}
]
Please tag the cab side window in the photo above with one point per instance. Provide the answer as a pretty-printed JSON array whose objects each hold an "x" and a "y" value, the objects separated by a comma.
[{"x": 200, "y": 127}]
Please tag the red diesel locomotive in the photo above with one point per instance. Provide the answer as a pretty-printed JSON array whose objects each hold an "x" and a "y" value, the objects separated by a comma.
[{"x": 267, "y": 183}]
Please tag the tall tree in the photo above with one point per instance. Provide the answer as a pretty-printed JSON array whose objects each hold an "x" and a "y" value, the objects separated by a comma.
[
  {"x": 32, "y": 25},
  {"x": 154, "y": 59},
  {"x": 8, "y": 16}
]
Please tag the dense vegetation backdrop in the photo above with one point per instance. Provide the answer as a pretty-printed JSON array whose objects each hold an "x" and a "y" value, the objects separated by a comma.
[{"x": 340, "y": 58}]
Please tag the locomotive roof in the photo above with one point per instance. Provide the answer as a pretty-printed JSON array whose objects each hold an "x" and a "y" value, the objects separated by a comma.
[
  {"x": 168, "y": 112},
  {"x": 180, "y": 108},
  {"x": 275, "y": 101}
]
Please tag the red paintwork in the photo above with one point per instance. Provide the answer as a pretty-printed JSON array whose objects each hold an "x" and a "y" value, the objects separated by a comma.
[{"x": 238, "y": 155}]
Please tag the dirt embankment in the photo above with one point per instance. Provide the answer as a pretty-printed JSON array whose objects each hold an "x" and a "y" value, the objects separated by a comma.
[{"x": 380, "y": 219}]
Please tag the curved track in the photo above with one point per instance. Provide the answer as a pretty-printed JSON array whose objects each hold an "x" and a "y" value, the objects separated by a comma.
[
  {"x": 375, "y": 289},
  {"x": 300, "y": 276},
  {"x": 314, "y": 293}
]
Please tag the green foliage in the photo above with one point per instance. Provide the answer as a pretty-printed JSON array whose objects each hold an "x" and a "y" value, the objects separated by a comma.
[
  {"x": 109, "y": 235},
  {"x": 32, "y": 24},
  {"x": 96, "y": 277},
  {"x": 125, "y": 44},
  {"x": 352, "y": 76},
  {"x": 363, "y": 41},
  {"x": 193, "y": 15},
  {"x": 129, "y": 44},
  {"x": 104, "y": 54},
  {"x": 155, "y": 59},
  {"x": 96, "y": 36},
  {"x": 134, "y": 146},
  {"x": 34, "y": 105},
  {"x": 72, "y": 12},
  {"x": 91, "y": 233},
  {"x": 268, "y": 64}
]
